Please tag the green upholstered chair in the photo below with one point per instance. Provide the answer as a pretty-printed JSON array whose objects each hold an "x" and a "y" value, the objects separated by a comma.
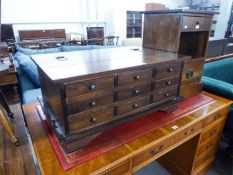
[{"x": 218, "y": 79}]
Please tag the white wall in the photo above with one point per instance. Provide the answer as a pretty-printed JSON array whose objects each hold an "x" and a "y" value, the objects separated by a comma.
[{"x": 223, "y": 18}]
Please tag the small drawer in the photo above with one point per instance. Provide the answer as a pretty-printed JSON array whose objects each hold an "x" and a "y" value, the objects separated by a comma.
[
  {"x": 203, "y": 159},
  {"x": 132, "y": 105},
  {"x": 8, "y": 79},
  {"x": 166, "y": 83},
  {"x": 192, "y": 23},
  {"x": 192, "y": 71},
  {"x": 89, "y": 86},
  {"x": 218, "y": 115},
  {"x": 151, "y": 152},
  {"x": 212, "y": 132},
  {"x": 171, "y": 69},
  {"x": 133, "y": 91},
  {"x": 126, "y": 78},
  {"x": 165, "y": 95},
  {"x": 119, "y": 169},
  {"x": 187, "y": 132},
  {"x": 209, "y": 145},
  {"x": 79, "y": 105},
  {"x": 89, "y": 120}
]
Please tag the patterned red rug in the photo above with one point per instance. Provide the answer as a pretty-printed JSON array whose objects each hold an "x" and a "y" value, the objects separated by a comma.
[{"x": 123, "y": 133}]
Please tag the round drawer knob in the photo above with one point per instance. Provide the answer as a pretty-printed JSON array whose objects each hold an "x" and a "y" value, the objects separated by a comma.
[
  {"x": 93, "y": 103},
  {"x": 136, "y": 91},
  {"x": 135, "y": 105},
  {"x": 193, "y": 129},
  {"x": 166, "y": 95},
  {"x": 152, "y": 152},
  {"x": 93, "y": 120},
  {"x": 92, "y": 87},
  {"x": 161, "y": 147},
  {"x": 136, "y": 77},
  {"x": 185, "y": 133},
  {"x": 170, "y": 69},
  {"x": 216, "y": 117},
  {"x": 169, "y": 83}
]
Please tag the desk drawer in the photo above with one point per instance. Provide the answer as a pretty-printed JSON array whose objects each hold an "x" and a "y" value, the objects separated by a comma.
[
  {"x": 8, "y": 79},
  {"x": 170, "y": 69},
  {"x": 209, "y": 145},
  {"x": 203, "y": 159},
  {"x": 79, "y": 122},
  {"x": 134, "y": 91},
  {"x": 212, "y": 131},
  {"x": 125, "y": 78},
  {"x": 88, "y": 103},
  {"x": 150, "y": 153},
  {"x": 89, "y": 86},
  {"x": 218, "y": 115},
  {"x": 192, "y": 23},
  {"x": 133, "y": 105},
  {"x": 166, "y": 83},
  {"x": 192, "y": 71},
  {"x": 119, "y": 169},
  {"x": 163, "y": 95}
]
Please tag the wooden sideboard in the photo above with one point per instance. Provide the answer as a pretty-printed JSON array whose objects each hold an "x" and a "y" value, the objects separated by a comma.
[{"x": 186, "y": 146}]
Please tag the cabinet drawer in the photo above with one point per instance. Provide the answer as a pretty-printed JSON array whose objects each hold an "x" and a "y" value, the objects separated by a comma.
[
  {"x": 192, "y": 23},
  {"x": 212, "y": 131},
  {"x": 166, "y": 83},
  {"x": 209, "y": 145},
  {"x": 192, "y": 71},
  {"x": 132, "y": 105},
  {"x": 150, "y": 153},
  {"x": 209, "y": 156},
  {"x": 79, "y": 122},
  {"x": 119, "y": 169},
  {"x": 218, "y": 115},
  {"x": 8, "y": 79},
  {"x": 171, "y": 69},
  {"x": 80, "y": 105},
  {"x": 134, "y": 91},
  {"x": 88, "y": 86},
  {"x": 187, "y": 132},
  {"x": 165, "y": 95},
  {"x": 125, "y": 78}
]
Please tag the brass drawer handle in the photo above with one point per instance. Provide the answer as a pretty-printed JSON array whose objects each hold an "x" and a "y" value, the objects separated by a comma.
[
  {"x": 93, "y": 120},
  {"x": 136, "y": 91},
  {"x": 136, "y": 77},
  {"x": 93, "y": 103},
  {"x": 168, "y": 83},
  {"x": 152, "y": 152},
  {"x": 189, "y": 74},
  {"x": 170, "y": 69},
  {"x": 135, "y": 105},
  {"x": 217, "y": 116},
  {"x": 92, "y": 87},
  {"x": 161, "y": 147}
]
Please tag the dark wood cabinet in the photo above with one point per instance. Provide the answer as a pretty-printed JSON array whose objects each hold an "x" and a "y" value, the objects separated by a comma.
[
  {"x": 134, "y": 24},
  {"x": 182, "y": 32}
]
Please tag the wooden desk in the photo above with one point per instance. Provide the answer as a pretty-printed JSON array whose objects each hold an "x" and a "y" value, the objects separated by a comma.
[{"x": 186, "y": 146}]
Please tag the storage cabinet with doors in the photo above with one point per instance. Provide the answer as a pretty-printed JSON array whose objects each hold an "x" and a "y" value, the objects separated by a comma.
[
  {"x": 134, "y": 24},
  {"x": 182, "y": 32}
]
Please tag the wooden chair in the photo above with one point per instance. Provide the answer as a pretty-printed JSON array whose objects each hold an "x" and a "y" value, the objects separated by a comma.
[
  {"x": 4, "y": 112},
  {"x": 111, "y": 40}
]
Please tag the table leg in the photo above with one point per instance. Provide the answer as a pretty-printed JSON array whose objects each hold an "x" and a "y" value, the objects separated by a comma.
[{"x": 6, "y": 125}]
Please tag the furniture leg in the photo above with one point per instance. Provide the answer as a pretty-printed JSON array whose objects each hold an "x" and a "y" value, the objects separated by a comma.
[
  {"x": 4, "y": 103},
  {"x": 6, "y": 125}
]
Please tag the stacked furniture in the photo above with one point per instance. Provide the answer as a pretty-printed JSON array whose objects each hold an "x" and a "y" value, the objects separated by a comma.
[{"x": 102, "y": 88}]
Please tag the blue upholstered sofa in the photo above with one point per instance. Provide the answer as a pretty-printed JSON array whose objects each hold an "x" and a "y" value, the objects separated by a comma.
[
  {"x": 27, "y": 70},
  {"x": 218, "y": 79}
]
